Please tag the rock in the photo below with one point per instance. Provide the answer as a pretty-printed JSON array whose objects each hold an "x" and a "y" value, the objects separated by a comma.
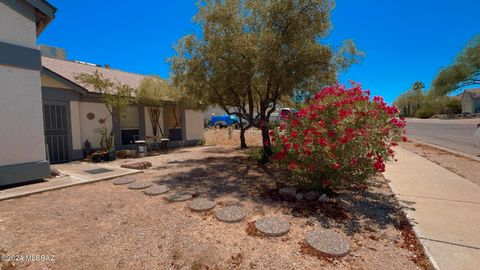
[
  {"x": 231, "y": 214},
  {"x": 299, "y": 196},
  {"x": 201, "y": 205},
  {"x": 156, "y": 190},
  {"x": 323, "y": 198},
  {"x": 123, "y": 180},
  {"x": 288, "y": 192},
  {"x": 312, "y": 195},
  {"x": 272, "y": 226},
  {"x": 138, "y": 165},
  {"x": 328, "y": 243},
  {"x": 139, "y": 185},
  {"x": 54, "y": 171},
  {"x": 179, "y": 197}
]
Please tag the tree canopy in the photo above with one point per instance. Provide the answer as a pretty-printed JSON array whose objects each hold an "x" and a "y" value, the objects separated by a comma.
[
  {"x": 252, "y": 53},
  {"x": 465, "y": 71}
]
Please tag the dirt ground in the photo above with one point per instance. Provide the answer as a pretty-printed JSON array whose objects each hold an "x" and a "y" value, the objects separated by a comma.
[
  {"x": 231, "y": 137},
  {"x": 102, "y": 226},
  {"x": 460, "y": 165}
]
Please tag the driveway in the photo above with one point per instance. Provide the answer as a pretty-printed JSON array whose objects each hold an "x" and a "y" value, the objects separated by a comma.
[{"x": 453, "y": 134}]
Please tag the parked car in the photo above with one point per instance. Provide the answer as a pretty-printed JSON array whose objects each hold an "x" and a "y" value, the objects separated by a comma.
[
  {"x": 283, "y": 114},
  {"x": 223, "y": 121}
]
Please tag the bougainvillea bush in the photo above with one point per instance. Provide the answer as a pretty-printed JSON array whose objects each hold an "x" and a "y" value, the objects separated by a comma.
[{"x": 340, "y": 138}]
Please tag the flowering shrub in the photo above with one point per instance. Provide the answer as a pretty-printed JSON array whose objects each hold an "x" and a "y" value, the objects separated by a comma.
[{"x": 340, "y": 138}]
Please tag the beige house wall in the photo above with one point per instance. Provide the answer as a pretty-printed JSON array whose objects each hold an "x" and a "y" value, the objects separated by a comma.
[
  {"x": 91, "y": 129},
  {"x": 148, "y": 124},
  {"x": 21, "y": 132},
  {"x": 467, "y": 103},
  {"x": 16, "y": 28},
  {"x": 194, "y": 125}
]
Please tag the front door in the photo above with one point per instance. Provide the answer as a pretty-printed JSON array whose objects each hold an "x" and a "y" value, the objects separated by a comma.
[{"x": 56, "y": 123}]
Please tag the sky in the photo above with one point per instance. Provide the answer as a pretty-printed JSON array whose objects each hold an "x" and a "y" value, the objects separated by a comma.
[{"x": 404, "y": 41}]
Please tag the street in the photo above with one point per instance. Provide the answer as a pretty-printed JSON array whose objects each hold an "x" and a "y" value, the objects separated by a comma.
[{"x": 453, "y": 134}]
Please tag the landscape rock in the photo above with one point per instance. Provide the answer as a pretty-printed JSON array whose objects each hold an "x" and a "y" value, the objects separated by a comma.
[
  {"x": 312, "y": 195},
  {"x": 328, "y": 243},
  {"x": 288, "y": 192},
  {"x": 138, "y": 165},
  {"x": 323, "y": 198},
  {"x": 299, "y": 196}
]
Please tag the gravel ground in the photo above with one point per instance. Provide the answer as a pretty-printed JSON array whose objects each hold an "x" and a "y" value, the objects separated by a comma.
[
  {"x": 103, "y": 226},
  {"x": 460, "y": 165}
]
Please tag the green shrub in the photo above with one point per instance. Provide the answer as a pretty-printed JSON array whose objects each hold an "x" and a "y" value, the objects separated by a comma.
[{"x": 426, "y": 111}]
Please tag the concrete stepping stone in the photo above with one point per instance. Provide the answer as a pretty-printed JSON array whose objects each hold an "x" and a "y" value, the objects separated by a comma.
[
  {"x": 139, "y": 185},
  {"x": 202, "y": 205},
  {"x": 328, "y": 243},
  {"x": 179, "y": 197},
  {"x": 231, "y": 214},
  {"x": 272, "y": 226},
  {"x": 156, "y": 190},
  {"x": 123, "y": 180}
]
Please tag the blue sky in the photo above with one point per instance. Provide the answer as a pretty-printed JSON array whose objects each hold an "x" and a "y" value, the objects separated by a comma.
[{"x": 404, "y": 41}]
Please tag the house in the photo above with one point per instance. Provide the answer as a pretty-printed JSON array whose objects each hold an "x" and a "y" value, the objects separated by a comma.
[
  {"x": 22, "y": 143},
  {"x": 470, "y": 99},
  {"x": 74, "y": 113}
]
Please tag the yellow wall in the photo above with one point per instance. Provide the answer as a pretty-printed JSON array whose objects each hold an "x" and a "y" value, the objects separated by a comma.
[{"x": 91, "y": 129}]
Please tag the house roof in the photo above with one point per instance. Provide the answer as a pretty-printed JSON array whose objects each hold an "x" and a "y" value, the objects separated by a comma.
[
  {"x": 44, "y": 13},
  {"x": 69, "y": 69}
]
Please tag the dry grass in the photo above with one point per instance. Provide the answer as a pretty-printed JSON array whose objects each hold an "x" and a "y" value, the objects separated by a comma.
[{"x": 231, "y": 137}]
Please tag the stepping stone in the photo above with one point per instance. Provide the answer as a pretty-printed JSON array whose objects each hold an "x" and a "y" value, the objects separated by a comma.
[
  {"x": 202, "y": 205},
  {"x": 328, "y": 243},
  {"x": 231, "y": 214},
  {"x": 139, "y": 185},
  {"x": 272, "y": 226},
  {"x": 179, "y": 197},
  {"x": 156, "y": 190},
  {"x": 123, "y": 180}
]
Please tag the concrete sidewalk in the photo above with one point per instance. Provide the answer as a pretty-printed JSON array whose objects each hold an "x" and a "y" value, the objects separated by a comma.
[{"x": 444, "y": 207}]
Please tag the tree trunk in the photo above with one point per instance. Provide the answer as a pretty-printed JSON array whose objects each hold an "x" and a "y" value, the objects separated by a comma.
[
  {"x": 243, "y": 142},
  {"x": 267, "y": 146}
]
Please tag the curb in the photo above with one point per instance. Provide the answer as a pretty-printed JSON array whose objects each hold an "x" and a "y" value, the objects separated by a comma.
[
  {"x": 431, "y": 259},
  {"x": 454, "y": 152}
]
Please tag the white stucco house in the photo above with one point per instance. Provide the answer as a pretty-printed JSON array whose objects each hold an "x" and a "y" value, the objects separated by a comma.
[
  {"x": 470, "y": 99},
  {"x": 22, "y": 143},
  {"x": 47, "y": 116}
]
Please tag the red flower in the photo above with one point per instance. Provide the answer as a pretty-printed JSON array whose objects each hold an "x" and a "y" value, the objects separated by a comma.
[{"x": 336, "y": 166}]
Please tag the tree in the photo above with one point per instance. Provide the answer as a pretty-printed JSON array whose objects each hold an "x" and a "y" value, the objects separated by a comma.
[
  {"x": 116, "y": 97},
  {"x": 411, "y": 101},
  {"x": 252, "y": 53},
  {"x": 465, "y": 71},
  {"x": 152, "y": 93}
]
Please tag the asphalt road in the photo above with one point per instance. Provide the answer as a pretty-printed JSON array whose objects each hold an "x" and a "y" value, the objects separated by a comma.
[{"x": 454, "y": 134}]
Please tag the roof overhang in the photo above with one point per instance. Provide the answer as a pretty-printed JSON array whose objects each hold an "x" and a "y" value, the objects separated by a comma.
[
  {"x": 44, "y": 13},
  {"x": 65, "y": 81}
]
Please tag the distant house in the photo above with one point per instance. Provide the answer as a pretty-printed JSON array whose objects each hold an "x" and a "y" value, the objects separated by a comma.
[
  {"x": 470, "y": 99},
  {"x": 22, "y": 144},
  {"x": 74, "y": 113}
]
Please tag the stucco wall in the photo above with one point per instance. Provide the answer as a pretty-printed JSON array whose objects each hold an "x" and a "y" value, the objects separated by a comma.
[
  {"x": 194, "y": 125},
  {"x": 21, "y": 121},
  {"x": 17, "y": 25},
  {"x": 467, "y": 103},
  {"x": 91, "y": 129},
  {"x": 75, "y": 122},
  {"x": 148, "y": 124}
]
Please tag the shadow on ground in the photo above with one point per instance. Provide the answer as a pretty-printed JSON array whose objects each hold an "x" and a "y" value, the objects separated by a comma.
[{"x": 241, "y": 178}]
